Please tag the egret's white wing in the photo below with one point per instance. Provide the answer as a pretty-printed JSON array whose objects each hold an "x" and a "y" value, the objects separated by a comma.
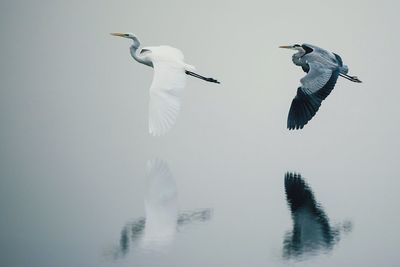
[
  {"x": 161, "y": 205},
  {"x": 166, "y": 89},
  {"x": 165, "y": 52}
]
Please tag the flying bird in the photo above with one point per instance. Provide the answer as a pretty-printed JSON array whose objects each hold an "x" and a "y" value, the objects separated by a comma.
[
  {"x": 169, "y": 80},
  {"x": 312, "y": 231},
  {"x": 323, "y": 69}
]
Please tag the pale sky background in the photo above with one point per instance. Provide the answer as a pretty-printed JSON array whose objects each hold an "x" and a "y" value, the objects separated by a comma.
[{"x": 74, "y": 136}]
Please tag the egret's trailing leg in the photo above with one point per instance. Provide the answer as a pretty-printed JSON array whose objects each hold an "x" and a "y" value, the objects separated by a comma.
[{"x": 201, "y": 77}]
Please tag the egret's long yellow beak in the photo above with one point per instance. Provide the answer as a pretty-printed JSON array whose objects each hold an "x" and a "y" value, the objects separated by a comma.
[
  {"x": 286, "y": 46},
  {"x": 120, "y": 34}
]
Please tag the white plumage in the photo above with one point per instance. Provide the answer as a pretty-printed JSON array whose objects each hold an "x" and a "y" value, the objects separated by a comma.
[{"x": 169, "y": 80}]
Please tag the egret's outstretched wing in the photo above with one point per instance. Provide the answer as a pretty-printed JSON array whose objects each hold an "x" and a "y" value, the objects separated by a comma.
[
  {"x": 161, "y": 206},
  {"x": 166, "y": 89},
  {"x": 315, "y": 87}
]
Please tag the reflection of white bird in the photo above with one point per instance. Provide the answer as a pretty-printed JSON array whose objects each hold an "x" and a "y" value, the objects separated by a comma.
[
  {"x": 161, "y": 205},
  {"x": 158, "y": 229},
  {"x": 169, "y": 79},
  {"x": 312, "y": 232}
]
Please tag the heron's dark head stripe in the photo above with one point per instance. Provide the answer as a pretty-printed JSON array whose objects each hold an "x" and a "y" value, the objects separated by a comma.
[
  {"x": 307, "y": 49},
  {"x": 144, "y": 51}
]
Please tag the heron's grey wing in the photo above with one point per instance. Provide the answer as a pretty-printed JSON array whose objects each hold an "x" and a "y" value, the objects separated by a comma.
[
  {"x": 339, "y": 60},
  {"x": 166, "y": 89},
  {"x": 298, "y": 194},
  {"x": 327, "y": 55},
  {"x": 311, "y": 228},
  {"x": 316, "y": 86},
  {"x": 319, "y": 74}
]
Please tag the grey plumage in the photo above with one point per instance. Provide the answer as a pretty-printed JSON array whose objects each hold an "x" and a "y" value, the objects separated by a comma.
[
  {"x": 312, "y": 231},
  {"x": 323, "y": 69}
]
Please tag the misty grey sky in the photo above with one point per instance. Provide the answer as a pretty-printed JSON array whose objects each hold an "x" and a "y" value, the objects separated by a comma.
[{"x": 73, "y": 109}]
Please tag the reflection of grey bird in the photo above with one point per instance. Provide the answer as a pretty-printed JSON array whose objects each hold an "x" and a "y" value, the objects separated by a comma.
[
  {"x": 157, "y": 230},
  {"x": 312, "y": 232},
  {"x": 169, "y": 80},
  {"x": 323, "y": 69}
]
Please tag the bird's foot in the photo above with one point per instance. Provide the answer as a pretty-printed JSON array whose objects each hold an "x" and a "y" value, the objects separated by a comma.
[
  {"x": 355, "y": 79},
  {"x": 212, "y": 80}
]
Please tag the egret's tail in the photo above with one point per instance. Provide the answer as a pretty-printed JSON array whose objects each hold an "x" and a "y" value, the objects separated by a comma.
[{"x": 201, "y": 77}]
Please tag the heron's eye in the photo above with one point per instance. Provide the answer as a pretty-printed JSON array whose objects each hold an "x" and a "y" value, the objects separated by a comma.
[
  {"x": 126, "y": 35},
  {"x": 296, "y": 45}
]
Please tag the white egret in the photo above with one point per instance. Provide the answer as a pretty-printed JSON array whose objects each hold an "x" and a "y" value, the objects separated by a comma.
[
  {"x": 323, "y": 69},
  {"x": 169, "y": 80}
]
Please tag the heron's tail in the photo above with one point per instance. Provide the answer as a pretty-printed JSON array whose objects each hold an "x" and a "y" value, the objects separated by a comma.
[
  {"x": 201, "y": 77},
  {"x": 344, "y": 69}
]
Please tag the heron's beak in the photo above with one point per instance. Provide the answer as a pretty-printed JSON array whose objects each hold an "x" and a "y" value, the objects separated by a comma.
[
  {"x": 120, "y": 34},
  {"x": 286, "y": 46}
]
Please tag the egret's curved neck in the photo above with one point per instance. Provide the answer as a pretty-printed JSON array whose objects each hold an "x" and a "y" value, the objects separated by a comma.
[{"x": 135, "y": 52}]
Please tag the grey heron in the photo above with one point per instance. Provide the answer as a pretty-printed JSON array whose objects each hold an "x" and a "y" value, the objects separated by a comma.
[
  {"x": 169, "y": 80},
  {"x": 312, "y": 232},
  {"x": 323, "y": 69}
]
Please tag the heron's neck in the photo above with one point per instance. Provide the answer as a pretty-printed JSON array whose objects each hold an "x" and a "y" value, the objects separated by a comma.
[{"x": 297, "y": 60}]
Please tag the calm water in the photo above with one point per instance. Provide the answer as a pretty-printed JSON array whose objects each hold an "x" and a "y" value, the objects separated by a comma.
[{"x": 184, "y": 213}]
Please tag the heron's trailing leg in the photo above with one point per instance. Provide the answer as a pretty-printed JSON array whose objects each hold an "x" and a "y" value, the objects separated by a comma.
[
  {"x": 201, "y": 77},
  {"x": 350, "y": 78}
]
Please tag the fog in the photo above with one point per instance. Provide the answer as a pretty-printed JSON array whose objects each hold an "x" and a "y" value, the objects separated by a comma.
[{"x": 74, "y": 142}]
